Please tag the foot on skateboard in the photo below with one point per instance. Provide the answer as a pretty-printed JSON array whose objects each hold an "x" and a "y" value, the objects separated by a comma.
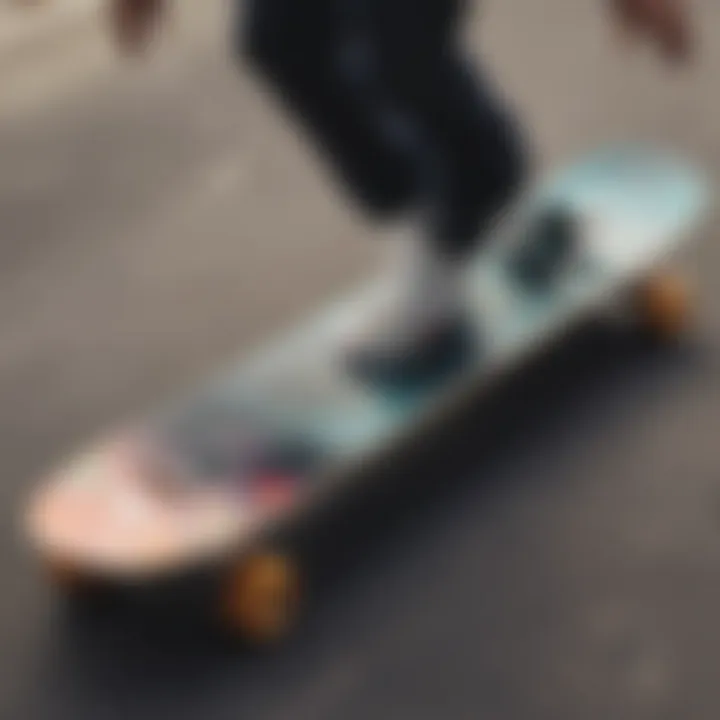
[{"x": 430, "y": 361}]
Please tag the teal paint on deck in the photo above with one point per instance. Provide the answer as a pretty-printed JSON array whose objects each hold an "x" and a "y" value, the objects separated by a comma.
[{"x": 637, "y": 204}]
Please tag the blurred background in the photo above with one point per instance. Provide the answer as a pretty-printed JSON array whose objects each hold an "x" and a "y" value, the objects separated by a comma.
[{"x": 157, "y": 215}]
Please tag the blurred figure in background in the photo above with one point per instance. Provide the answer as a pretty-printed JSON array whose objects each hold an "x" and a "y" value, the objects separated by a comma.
[{"x": 386, "y": 92}]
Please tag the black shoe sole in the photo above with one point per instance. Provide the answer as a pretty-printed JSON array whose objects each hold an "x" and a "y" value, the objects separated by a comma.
[{"x": 441, "y": 358}]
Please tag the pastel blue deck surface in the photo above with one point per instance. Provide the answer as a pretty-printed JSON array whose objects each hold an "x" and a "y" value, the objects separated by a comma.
[{"x": 638, "y": 205}]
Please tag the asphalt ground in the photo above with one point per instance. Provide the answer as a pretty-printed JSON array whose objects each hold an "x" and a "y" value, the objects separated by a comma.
[{"x": 552, "y": 554}]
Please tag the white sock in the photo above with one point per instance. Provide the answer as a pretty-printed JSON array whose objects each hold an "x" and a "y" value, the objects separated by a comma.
[
  {"x": 429, "y": 284},
  {"x": 424, "y": 290}
]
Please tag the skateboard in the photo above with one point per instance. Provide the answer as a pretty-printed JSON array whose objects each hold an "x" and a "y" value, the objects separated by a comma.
[{"x": 215, "y": 478}]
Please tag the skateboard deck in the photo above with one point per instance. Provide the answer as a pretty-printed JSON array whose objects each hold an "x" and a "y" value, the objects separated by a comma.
[{"x": 269, "y": 439}]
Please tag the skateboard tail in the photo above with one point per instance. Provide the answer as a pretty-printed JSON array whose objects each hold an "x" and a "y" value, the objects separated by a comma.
[{"x": 101, "y": 513}]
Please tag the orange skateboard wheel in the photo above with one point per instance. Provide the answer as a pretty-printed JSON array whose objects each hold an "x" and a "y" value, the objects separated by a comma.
[
  {"x": 663, "y": 305},
  {"x": 261, "y": 597}
]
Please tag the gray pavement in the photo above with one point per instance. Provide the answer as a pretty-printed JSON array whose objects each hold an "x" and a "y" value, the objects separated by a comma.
[{"x": 559, "y": 555}]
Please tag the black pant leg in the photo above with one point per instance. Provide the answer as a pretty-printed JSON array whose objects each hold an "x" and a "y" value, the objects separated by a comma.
[
  {"x": 470, "y": 147},
  {"x": 297, "y": 47}
]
